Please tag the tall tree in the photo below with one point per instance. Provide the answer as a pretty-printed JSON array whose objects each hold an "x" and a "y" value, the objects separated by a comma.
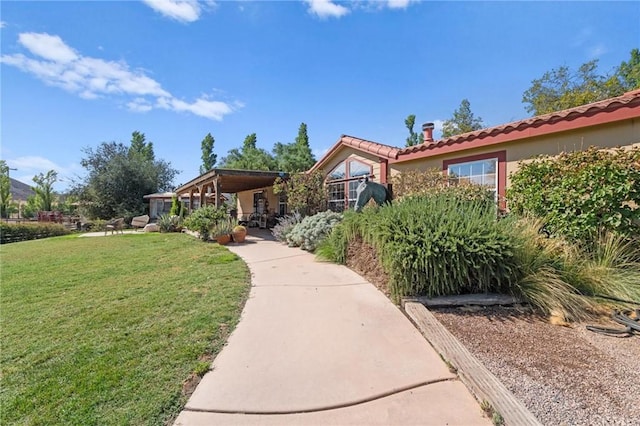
[
  {"x": 414, "y": 138},
  {"x": 44, "y": 189},
  {"x": 296, "y": 156},
  {"x": 208, "y": 157},
  {"x": 249, "y": 157},
  {"x": 629, "y": 72},
  {"x": 119, "y": 176},
  {"x": 561, "y": 88},
  {"x": 5, "y": 190},
  {"x": 463, "y": 121},
  {"x": 139, "y": 146}
]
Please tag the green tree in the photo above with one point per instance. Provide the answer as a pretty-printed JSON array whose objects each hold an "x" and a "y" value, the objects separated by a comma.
[
  {"x": 119, "y": 176},
  {"x": 139, "y": 146},
  {"x": 629, "y": 72},
  {"x": 208, "y": 157},
  {"x": 305, "y": 192},
  {"x": 5, "y": 190},
  {"x": 562, "y": 88},
  {"x": 414, "y": 138},
  {"x": 44, "y": 189},
  {"x": 296, "y": 156},
  {"x": 463, "y": 121},
  {"x": 249, "y": 157}
]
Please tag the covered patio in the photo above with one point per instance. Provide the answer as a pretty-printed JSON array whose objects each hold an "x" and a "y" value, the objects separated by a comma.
[{"x": 207, "y": 188}]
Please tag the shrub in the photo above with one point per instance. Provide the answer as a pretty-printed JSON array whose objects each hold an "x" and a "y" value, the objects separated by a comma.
[
  {"x": 313, "y": 229},
  {"x": 203, "y": 219},
  {"x": 284, "y": 226},
  {"x": 168, "y": 223},
  {"x": 582, "y": 193},
  {"x": 306, "y": 192},
  {"x": 565, "y": 279},
  {"x": 432, "y": 245},
  {"x": 12, "y": 233},
  {"x": 177, "y": 209},
  {"x": 432, "y": 181}
]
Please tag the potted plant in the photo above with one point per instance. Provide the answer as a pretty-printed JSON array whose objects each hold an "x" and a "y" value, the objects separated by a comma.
[
  {"x": 221, "y": 231},
  {"x": 239, "y": 233}
]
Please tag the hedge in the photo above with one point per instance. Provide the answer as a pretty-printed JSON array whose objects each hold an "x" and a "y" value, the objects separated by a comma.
[{"x": 13, "y": 233}]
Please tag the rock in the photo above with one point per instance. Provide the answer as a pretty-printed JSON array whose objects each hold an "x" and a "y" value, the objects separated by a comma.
[{"x": 151, "y": 227}]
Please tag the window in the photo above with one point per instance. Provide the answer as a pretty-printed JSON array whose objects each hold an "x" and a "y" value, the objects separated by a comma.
[
  {"x": 282, "y": 205},
  {"x": 342, "y": 182},
  {"x": 336, "y": 196},
  {"x": 487, "y": 170}
]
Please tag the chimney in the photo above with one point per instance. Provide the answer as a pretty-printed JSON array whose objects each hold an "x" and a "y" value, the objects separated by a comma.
[{"x": 427, "y": 131}]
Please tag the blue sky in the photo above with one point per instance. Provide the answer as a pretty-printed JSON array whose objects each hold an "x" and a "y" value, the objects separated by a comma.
[{"x": 75, "y": 74}]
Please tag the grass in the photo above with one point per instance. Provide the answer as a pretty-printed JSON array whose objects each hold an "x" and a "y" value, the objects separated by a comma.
[
  {"x": 566, "y": 281},
  {"x": 107, "y": 330}
]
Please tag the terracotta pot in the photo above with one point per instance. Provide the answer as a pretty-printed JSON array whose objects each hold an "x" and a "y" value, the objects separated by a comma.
[
  {"x": 223, "y": 239},
  {"x": 239, "y": 236}
]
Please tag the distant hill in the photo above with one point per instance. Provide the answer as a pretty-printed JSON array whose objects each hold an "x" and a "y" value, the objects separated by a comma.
[{"x": 20, "y": 191}]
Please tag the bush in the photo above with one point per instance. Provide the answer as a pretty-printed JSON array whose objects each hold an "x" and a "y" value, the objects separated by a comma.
[
  {"x": 432, "y": 245},
  {"x": 204, "y": 218},
  {"x": 565, "y": 279},
  {"x": 306, "y": 192},
  {"x": 168, "y": 223},
  {"x": 12, "y": 233},
  {"x": 313, "y": 229},
  {"x": 582, "y": 193},
  {"x": 284, "y": 226},
  {"x": 432, "y": 181}
]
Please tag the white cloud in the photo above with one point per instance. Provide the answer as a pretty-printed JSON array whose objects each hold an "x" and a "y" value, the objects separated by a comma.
[
  {"x": 57, "y": 64},
  {"x": 398, "y": 4},
  {"x": 180, "y": 10},
  {"x": 203, "y": 107},
  {"x": 597, "y": 50},
  {"x": 326, "y": 9},
  {"x": 48, "y": 47},
  {"x": 3, "y": 24},
  {"x": 33, "y": 163},
  {"x": 30, "y": 166}
]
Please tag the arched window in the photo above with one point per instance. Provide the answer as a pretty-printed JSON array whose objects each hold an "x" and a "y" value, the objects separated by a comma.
[{"x": 342, "y": 182}]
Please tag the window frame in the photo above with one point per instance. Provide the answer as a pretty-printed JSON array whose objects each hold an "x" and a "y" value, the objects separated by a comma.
[
  {"x": 501, "y": 170},
  {"x": 347, "y": 202}
]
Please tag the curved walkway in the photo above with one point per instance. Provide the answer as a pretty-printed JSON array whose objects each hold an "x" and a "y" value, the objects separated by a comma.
[{"x": 318, "y": 344}]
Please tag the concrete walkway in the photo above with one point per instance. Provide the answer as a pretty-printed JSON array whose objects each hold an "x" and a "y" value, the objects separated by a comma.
[{"x": 317, "y": 345}]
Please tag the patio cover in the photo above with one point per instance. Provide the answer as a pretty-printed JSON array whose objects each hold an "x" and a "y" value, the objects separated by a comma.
[{"x": 227, "y": 181}]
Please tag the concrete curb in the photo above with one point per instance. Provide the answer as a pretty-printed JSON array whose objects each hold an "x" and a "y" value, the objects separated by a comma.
[{"x": 480, "y": 381}]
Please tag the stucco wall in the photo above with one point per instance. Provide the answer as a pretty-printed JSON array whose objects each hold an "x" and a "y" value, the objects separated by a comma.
[
  {"x": 350, "y": 153},
  {"x": 245, "y": 201},
  {"x": 625, "y": 133}
]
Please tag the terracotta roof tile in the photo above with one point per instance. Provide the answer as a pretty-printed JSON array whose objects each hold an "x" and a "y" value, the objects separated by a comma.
[
  {"x": 375, "y": 148},
  {"x": 628, "y": 100}
]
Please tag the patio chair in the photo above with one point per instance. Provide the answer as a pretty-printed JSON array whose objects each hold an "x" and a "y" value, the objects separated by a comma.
[{"x": 114, "y": 225}]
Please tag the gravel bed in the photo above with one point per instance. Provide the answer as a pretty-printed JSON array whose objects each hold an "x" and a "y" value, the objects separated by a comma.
[{"x": 564, "y": 375}]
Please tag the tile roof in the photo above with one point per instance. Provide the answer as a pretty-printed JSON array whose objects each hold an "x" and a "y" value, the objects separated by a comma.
[
  {"x": 523, "y": 128},
  {"x": 375, "y": 148}
]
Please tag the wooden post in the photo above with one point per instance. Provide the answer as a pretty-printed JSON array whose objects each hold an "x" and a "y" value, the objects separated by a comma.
[{"x": 216, "y": 184}]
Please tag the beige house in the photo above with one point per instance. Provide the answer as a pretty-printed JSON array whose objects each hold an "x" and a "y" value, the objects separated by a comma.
[{"x": 487, "y": 156}]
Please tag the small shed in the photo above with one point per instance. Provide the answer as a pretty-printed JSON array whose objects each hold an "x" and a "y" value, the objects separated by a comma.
[{"x": 160, "y": 203}]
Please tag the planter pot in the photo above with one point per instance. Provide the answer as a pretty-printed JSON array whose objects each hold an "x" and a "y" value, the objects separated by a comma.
[
  {"x": 223, "y": 239},
  {"x": 239, "y": 236}
]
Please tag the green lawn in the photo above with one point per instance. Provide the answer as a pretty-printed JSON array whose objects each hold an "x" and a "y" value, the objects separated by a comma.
[{"x": 106, "y": 330}]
